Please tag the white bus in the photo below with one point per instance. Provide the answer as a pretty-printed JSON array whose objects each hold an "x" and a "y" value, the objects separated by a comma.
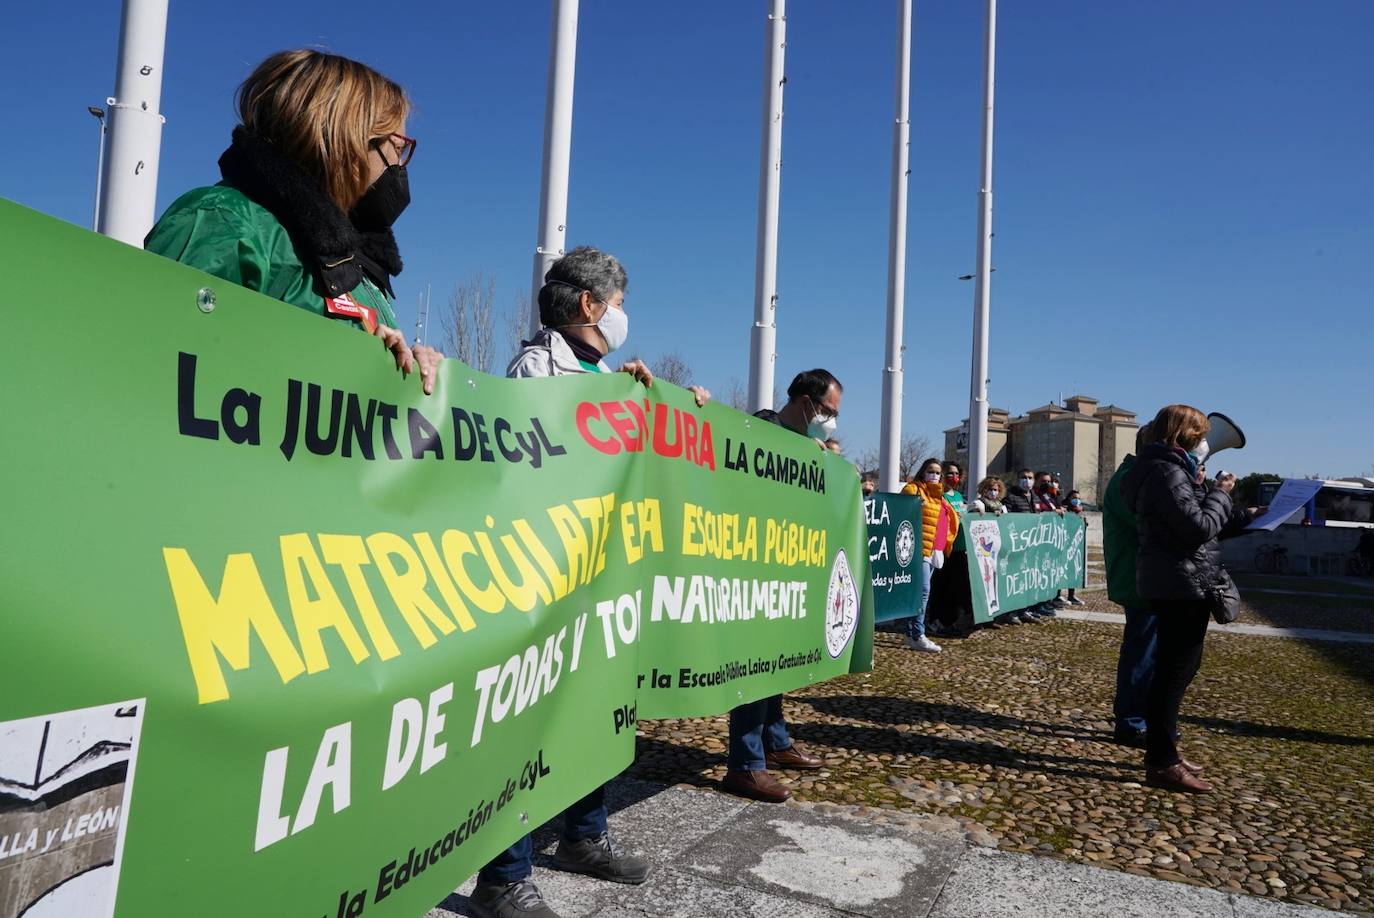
[{"x": 1340, "y": 502}]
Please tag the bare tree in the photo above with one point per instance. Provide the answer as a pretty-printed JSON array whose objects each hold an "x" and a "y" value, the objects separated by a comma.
[
  {"x": 517, "y": 323},
  {"x": 867, "y": 459},
  {"x": 468, "y": 324},
  {"x": 673, "y": 367},
  {"x": 736, "y": 395},
  {"x": 915, "y": 449}
]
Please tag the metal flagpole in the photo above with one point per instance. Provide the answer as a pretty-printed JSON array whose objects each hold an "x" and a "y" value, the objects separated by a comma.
[
  {"x": 763, "y": 337},
  {"x": 99, "y": 114},
  {"x": 558, "y": 107},
  {"x": 889, "y": 457},
  {"x": 982, "y": 281},
  {"x": 422, "y": 316},
  {"x": 128, "y": 188}
]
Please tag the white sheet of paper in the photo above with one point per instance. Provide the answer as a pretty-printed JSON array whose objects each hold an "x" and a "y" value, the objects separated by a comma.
[{"x": 1292, "y": 495}]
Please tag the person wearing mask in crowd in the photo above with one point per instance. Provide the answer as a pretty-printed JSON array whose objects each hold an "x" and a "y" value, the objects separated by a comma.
[
  {"x": 953, "y": 482},
  {"x": 758, "y": 730},
  {"x": 939, "y": 528},
  {"x": 1135, "y": 663},
  {"x": 991, "y": 492},
  {"x": 941, "y": 613},
  {"x": 1020, "y": 498},
  {"x": 869, "y": 485},
  {"x": 1046, "y": 494},
  {"x": 1021, "y": 495},
  {"x": 1074, "y": 505},
  {"x": 582, "y": 310},
  {"x": 313, "y": 180},
  {"x": 1178, "y": 523},
  {"x": 1045, "y": 497}
]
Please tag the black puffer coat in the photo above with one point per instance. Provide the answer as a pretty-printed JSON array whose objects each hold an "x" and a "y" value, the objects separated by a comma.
[
  {"x": 1019, "y": 500},
  {"x": 1178, "y": 522}
]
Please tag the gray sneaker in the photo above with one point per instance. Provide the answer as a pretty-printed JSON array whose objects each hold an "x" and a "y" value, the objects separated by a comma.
[
  {"x": 520, "y": 899},
  {"x": 599, "y": 857}
]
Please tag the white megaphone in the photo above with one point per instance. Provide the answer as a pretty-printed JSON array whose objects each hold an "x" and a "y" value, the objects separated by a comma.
[{"x": 1223, "y": 435}]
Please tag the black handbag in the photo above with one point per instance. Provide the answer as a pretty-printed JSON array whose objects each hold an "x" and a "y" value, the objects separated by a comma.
[{"x": 1222, "y": 596}]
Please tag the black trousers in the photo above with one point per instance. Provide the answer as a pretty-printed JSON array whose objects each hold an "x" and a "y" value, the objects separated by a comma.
[{"x": 1178, "y": 654}]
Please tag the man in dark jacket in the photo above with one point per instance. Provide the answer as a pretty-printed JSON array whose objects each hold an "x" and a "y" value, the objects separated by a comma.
[
  {"x": 758, "y": 730},
  {"x": 1135, "y": 665},
  {"x": 1021, "y": 496}
]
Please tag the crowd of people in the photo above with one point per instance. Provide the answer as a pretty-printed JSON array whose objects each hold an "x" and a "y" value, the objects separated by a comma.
[{"x": 313, "y": 180}]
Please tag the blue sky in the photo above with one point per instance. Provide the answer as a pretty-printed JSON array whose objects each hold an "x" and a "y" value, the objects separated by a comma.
[{"x": 1184, "y": 204}]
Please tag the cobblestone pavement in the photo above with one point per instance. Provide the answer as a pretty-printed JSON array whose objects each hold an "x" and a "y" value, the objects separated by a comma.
[{"x": 1007, "y": 737}]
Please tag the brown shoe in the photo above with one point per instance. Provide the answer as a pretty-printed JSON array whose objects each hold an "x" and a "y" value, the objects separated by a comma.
[
  {"x": 1176, "y": 778},
  {"x": 793, "y": 757},
  {"x": 756, "y": 785},
  {"x": 1194, "y": 767}
]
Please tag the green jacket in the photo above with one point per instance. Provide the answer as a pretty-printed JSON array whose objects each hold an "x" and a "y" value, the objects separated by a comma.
[
  {"x": 220, "y": 231},
  {"x": 1120, "y": 542}
]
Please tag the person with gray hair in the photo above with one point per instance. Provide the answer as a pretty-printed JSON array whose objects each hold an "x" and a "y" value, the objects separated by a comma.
[{"x": 582, "y": 308}]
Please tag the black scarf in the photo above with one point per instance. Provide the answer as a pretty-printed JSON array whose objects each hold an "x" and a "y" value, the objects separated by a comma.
[
  {"x": 334, "y": 249},
  {"x": 582, "y": 350}
]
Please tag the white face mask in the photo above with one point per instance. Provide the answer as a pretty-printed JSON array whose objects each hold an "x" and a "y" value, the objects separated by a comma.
[
  {"x": 932, "y": 477},
  {"x": 1027, "y": 483},
  {"x": 822, "y": 428},
  {"x": 614, "y": 325}
]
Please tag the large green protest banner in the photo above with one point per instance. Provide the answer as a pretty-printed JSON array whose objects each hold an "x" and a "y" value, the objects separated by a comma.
[
  {"x": 282, "y": 635},
  {"x": 894, "y": 553},
  {"x": 1019, "y": 559}
]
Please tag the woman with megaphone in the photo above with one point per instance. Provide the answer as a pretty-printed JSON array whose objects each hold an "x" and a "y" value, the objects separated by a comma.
[{"x": 1179, "y": 521}]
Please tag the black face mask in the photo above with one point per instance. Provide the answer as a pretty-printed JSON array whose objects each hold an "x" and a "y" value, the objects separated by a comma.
[{"x": 384, "y": 200}]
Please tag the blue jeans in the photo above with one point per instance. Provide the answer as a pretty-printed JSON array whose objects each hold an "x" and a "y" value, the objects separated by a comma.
[
  {"x": 584, "y": 819},
  {"x": 916, "y": 624},
  {"x": 755, "y": 727},
  {"x": 1135, "y": 668}
]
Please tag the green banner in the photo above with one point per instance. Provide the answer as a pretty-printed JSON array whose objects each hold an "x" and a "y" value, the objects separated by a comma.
[
  {"x": 275, "y": 621},
  {"x": 1020, "y": 559},
  {"x": 894, "y": 554}
]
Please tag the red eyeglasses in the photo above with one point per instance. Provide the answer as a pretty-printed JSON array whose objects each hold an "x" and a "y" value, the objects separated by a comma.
[{"x": 403, "y": 145}]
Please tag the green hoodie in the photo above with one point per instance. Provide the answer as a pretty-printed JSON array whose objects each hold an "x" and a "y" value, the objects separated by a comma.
[
  {"x": 1120, "y": 542},
  {"x": 222, "y": 232}
]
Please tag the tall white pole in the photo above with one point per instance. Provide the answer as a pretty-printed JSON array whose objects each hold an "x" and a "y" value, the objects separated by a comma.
[
  {"x": 763, "y": 338},
  {"x": 558, "y": 109},
  {"x": 889, "y": 458},
  {"x": 982, "y": 281},
  {"x": 128, "y": 188}
]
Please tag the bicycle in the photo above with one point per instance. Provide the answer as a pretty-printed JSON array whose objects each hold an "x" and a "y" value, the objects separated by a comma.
[{"x": 1271, "y": 559}]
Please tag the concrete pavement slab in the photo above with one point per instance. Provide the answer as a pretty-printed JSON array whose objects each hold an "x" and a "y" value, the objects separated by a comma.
[
  {"x": 828, "y": 859},
  {"x": 993, "y": 884},
  {"x": 718, "y": 855},
  {"x": 1252, "y": 907},
  {"x": 673, "y": 893},
  {"x": 1304, "y": 634}
]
